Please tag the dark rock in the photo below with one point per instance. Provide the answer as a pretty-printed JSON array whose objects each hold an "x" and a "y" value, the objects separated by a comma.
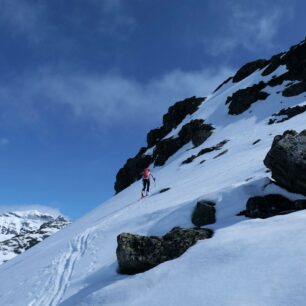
[
  {"x": 164, "y": 190},
  {"x": 287, "y": 161},
  {"x": 287, "y": 113},
  {"x": 279, "y": 79},
  {"x": 295, "y": 89},
  {"x": 271, "y": 205},
  {"x": 220, "y": 154},
  {"x": 256, "y": 141},
  {"x": 205, "y": 151},
  {"x": 248, "y": 69},
  {"x": 274, "y": 63},
  {"x": 204, "y": 213},
  {"x": 131, "y": 171},
  {"x": 137, "y": 253},
  {"x": 196, "y": 131},
  {"x": 175, "y": 115},
  {"x": 189, "y": 159},
  {"x": 226, "y": 81},
  {"x": 242, "y": 99}
]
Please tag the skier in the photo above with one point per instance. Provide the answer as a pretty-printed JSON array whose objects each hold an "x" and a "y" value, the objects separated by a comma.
[{"x": 146, "y": 182}]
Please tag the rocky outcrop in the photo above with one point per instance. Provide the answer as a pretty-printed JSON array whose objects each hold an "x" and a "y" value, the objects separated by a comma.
[
  {"x": 131, "y": 171},
  {"x": 271, "y": 205},
  {"x": 242, "y": 99},
  {"x": 295, "y": 89},
  {"x": 248, "y": 69},
  {"x": 218, "y": 146},
  {"x": 195, "y": 131},
  {"x": 175, "y": 115},
  {"x": 287, "y": 161},
  {"x": 204, "y": 213},
  {"x": 287, "y": 113},
  {"x": 137, "y": 253},
  {"x": 133, "y": 168}
]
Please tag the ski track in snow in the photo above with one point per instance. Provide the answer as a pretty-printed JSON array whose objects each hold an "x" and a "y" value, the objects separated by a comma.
[
  {"x": 59, "y": 281},
  {"x": 63, "y": 266}
]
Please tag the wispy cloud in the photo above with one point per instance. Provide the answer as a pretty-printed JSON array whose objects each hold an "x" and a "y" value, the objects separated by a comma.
[
  {"x": 105, "y": 99},
  {"x": 252, "y": 26},
  {"x": 4, "y": 142},
  {"x": 23, "y": 17}
]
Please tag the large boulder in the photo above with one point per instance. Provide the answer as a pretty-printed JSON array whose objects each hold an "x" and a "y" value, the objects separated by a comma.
[
  {"x": 271, "y": 205},
  {"x": 287, "y": 161},
  {"x": 137, "y": 253},
  {"x": 204, "y": 213}
]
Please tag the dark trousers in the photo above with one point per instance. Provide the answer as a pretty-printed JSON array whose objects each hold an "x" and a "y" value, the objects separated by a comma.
[{"x": 146, "y": 184}]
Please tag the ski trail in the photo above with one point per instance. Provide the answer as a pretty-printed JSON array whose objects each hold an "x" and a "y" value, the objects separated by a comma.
[
  {"x": 62, "y": 267},
  {"x": 60, "y": 278}
]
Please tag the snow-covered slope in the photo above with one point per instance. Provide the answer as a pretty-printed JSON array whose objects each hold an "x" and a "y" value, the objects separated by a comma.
[
  {"x": 247, "y": 262},
  {"x": 20, "y": 230}
]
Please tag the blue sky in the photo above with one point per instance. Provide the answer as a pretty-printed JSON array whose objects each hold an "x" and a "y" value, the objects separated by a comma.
[{"x": 81, "y": 82}]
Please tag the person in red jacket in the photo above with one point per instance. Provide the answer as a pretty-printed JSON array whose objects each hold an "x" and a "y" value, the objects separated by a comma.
[{"x": 146, "y": 182}]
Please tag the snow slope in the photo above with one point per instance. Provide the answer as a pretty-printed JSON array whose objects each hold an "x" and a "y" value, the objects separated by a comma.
[{"x": 247, "y": 262}]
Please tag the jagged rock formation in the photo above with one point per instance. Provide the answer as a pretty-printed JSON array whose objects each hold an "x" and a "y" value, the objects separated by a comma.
[
  {"x": 25, "y": 230},
  {"x": 287, "y": 113},
  {"x": 271, "y": 205},
  {"x": 287, "y": 161},
  {"x": 137, "y": 253},
  {"x": 248, "y": 69},
  {"x": 295, "y": 62},
  {"x": 242, "y": 99},
  {"x": 217, "y": 147},
  {"x": 204, "y": 213},
  {"x": 175, "y": 115},
  {"x": 196, "y": 131}
]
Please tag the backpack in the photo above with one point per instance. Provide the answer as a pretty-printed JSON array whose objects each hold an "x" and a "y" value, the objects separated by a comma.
[{"x": 146, "y": 173}]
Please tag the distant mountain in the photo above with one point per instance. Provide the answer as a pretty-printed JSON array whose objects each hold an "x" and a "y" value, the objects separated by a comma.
[{"x": 21, "y": 230}]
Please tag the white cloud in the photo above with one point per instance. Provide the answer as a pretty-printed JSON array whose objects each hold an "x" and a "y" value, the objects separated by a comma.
[
  {"x": 252, "y": 27},
  {"x": 106, "y": 99},
  {"x": 23, "y": 17},
  {"x": 4, "y": 142}
]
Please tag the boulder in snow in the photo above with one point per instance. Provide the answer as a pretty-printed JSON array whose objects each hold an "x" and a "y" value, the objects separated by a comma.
[
  {"x": 204, "y": 213},
  {"x": 287, "y": 161},
  {"x": 271, "y": 205},
  {"x": 137, "y": 253}
]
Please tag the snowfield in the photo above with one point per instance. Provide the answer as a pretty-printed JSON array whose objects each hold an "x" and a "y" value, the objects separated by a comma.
[{"x": 247, "y": 262}]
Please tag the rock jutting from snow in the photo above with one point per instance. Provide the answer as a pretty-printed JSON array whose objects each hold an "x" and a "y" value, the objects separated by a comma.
[
  {"x": 287, "y": 161},
  {"x": 248, "y": 69},
  {"x": 175, "y": 115},
  {"x": 137, "y": 253},
  {"x": 132, "y": 169},
  {"x": 242, "y": 99},
  {"x": 195, "y": 131},
  {"x": 287, "y": 113},
  {"x": 271, "y": 205},
  {"x": 204, "y": 213}
]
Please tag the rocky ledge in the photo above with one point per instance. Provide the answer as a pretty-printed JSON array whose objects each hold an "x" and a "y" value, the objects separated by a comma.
[{"x": 137, "y": 253}]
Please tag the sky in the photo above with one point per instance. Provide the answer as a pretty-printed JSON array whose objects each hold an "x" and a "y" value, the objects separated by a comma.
[{"x": 83, "y": 81}]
